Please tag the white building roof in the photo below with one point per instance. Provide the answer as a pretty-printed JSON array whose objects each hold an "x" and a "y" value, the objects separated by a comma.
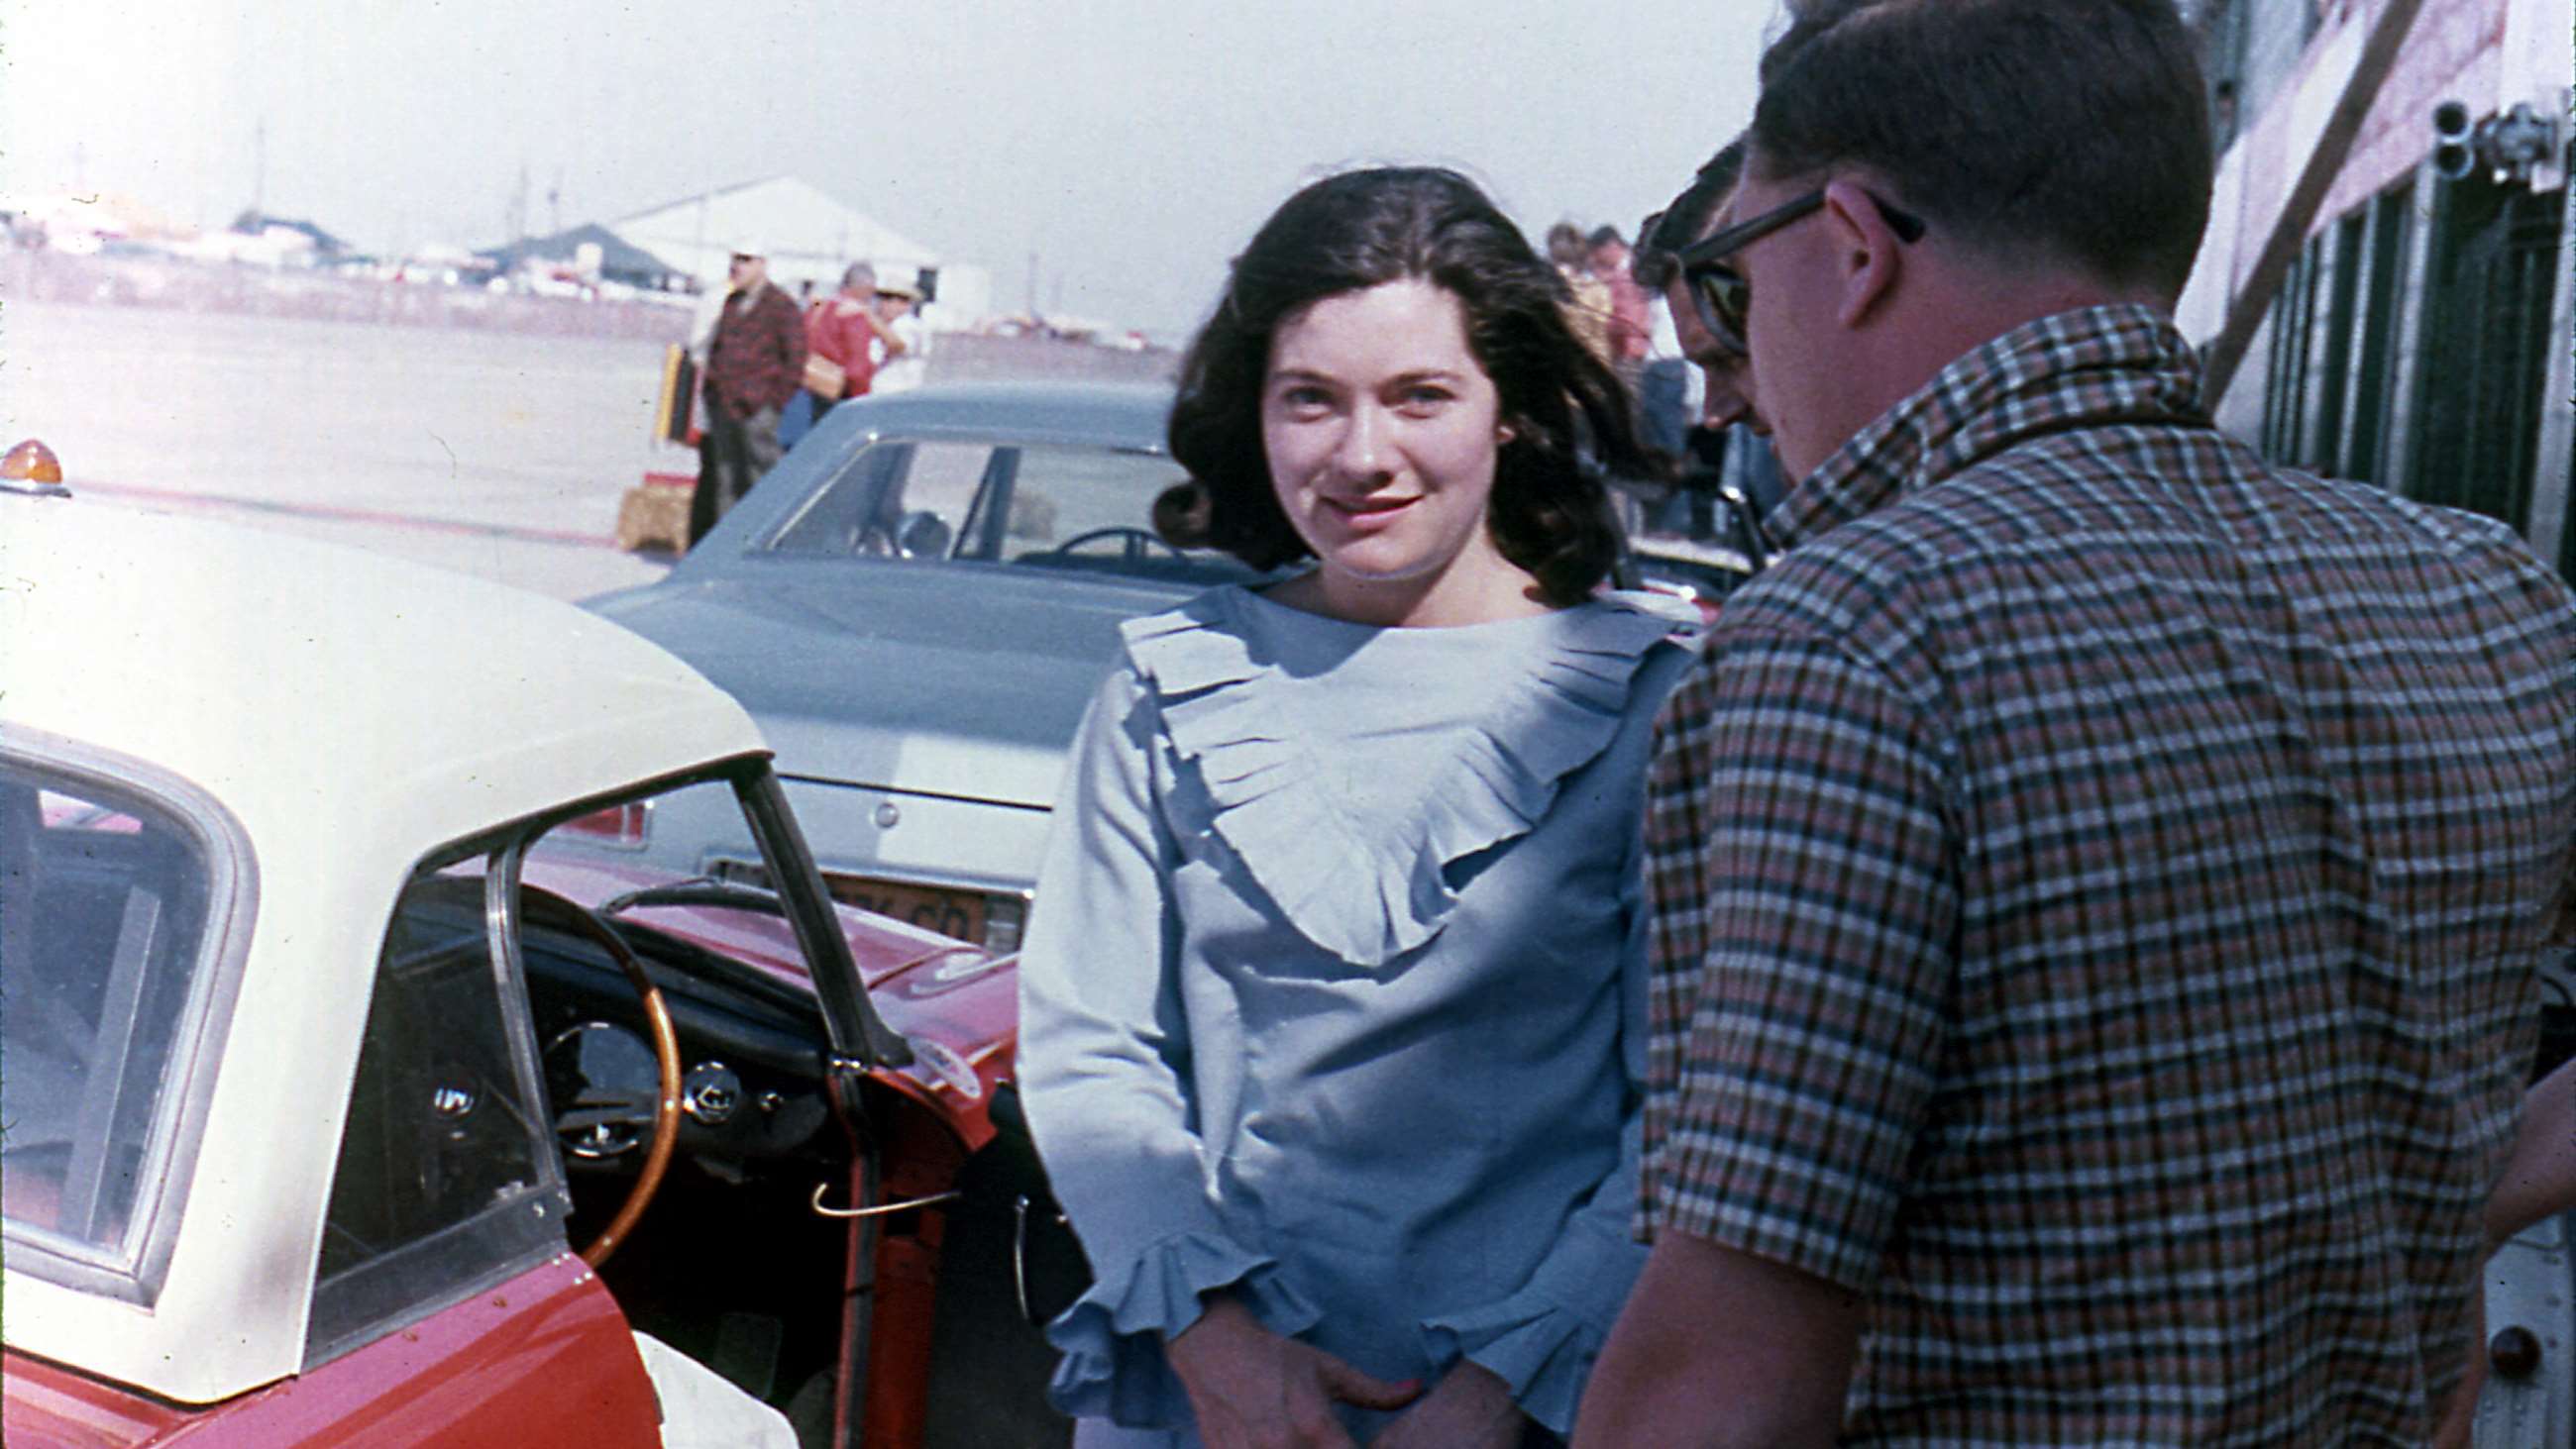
[{"x": 808, "y": 234}]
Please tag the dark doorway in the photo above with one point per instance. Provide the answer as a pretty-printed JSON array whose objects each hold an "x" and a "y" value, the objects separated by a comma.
[{"x": 2484, "y": 361}]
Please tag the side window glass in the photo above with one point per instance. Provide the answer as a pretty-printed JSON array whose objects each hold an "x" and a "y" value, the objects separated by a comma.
[
  {"x": 1107, "y": 510},
  {"x": 894, "y": 500},
  {"x": 445, "y": 1175},
  {"x": 1069, "y": 494},
  {"x": 104, "y": 899}
]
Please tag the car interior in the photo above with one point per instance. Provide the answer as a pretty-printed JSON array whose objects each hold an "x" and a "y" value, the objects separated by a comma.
[
  {"x": 1095, "y": 510},
  {"x": 732, "y": 1260},
  {"x": 732, "y": 1263}
]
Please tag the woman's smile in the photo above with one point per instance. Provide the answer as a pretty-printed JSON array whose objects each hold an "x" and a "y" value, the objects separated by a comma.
[{"x": 1370, "y": 511}]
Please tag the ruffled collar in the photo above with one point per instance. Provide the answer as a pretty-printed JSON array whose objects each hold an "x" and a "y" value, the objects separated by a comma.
[{"x": 1441, "y": 743}]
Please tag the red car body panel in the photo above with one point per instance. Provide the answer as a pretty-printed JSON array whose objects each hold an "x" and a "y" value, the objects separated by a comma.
[{"x": 544, "y": 1358}]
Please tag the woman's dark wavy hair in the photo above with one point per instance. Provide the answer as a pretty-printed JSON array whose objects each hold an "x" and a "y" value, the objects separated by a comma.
[{"x": 1567, "y": 413}]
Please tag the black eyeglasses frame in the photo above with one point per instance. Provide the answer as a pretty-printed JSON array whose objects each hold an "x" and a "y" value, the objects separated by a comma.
[{"x": 1720, "y": 294}]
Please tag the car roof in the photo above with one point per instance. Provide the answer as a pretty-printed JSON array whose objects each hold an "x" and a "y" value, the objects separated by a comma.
[
  {"x": 1116, "y": 415},
  {"x": 380, "y": 687}
]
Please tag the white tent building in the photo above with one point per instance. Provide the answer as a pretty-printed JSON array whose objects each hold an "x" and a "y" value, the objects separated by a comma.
[{"x": 810, "y": 237}]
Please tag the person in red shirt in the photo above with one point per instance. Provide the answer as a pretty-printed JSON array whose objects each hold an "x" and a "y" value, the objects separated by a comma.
[
  {"x": 842, "y": 326},
  {"x": 1629, "y": 324}
]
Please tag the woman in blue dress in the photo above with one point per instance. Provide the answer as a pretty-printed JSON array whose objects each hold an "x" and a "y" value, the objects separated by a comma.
[{"x": 1332, "y": 1002}]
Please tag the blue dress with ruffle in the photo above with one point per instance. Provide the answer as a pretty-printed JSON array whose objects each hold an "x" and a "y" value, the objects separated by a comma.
[{"x": 1334, "y": 993}]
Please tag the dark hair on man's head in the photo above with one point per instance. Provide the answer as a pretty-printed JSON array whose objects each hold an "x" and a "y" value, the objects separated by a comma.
[
  {"x": 1606, "y": 235},
  {"x": 1684, "y": 218},
  {"x": 1566, "y": 413},
  {"x": 2077, "y": 129}
]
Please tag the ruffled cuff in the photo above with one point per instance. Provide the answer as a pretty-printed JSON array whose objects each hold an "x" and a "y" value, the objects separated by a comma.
[
  {"x": 1112, "y": 1337},
  {"x": 1542, "y": 1350}
]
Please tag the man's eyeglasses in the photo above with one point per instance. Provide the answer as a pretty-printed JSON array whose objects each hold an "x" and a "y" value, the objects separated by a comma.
[{"x": 1721, "y": 295}]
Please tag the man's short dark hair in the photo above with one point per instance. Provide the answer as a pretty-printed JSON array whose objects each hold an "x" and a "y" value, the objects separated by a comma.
[
  {"x": 2075, "y": 128},
  {"x": 1606, "y": 235},
  {"x": 1685, "y": 218}
]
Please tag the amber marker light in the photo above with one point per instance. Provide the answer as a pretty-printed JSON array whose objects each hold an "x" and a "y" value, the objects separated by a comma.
[{"x": 31, "y": 467}]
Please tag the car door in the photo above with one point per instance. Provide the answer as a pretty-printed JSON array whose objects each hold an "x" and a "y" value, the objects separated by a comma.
[{"x": 447, "y": 1294}]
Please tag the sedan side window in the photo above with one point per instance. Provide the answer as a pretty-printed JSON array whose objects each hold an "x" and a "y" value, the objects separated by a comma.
[
  {"x": 1128, "y": 511},
  {"x": 894, "y": 499}
]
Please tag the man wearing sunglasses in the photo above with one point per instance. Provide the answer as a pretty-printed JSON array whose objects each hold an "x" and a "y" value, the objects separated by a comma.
[
  {"x": 1654, "y": 266},
  {"x": 2101, "y": 878},
  {"x": 1657, "y": 267}
]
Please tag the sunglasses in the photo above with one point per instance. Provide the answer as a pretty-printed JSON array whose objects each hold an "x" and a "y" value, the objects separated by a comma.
[{"x": 1721, "y": 295}]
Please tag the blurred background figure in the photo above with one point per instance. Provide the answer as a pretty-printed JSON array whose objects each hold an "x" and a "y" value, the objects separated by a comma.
[
  {"x": 755, "y": 363},
  {"x": 902, "y": 345},
  {"x": 1607, "y": 257},
  {"x": 840, "y": 360},
  {"x": 1589, "y": 310},
  {"x": 843, "y": 330}
]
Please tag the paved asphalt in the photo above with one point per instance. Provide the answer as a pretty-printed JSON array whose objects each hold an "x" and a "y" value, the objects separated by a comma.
[{"x": 497, "y": 454}]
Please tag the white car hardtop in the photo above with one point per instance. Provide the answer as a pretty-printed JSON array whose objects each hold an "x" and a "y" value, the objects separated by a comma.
[{"x": 330, "y": 718}]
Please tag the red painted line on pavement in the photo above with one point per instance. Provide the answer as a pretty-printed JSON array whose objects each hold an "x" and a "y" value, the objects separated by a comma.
[{"x": 334, "y": 514}]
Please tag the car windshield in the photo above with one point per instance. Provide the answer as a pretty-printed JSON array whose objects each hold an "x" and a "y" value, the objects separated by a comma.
[
  {"x": 1113, "y": 510},
  {"x": 105, "y": 896}
]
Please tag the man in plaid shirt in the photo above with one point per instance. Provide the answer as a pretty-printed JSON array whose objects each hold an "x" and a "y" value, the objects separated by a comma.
[{"x": 2101, "y": 876}]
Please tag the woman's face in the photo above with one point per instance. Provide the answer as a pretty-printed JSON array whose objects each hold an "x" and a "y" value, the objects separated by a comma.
[{"x": 1381, "y": 430}]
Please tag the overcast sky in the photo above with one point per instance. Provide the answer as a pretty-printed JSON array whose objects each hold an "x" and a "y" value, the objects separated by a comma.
[{"x": 1131, "y": 145}]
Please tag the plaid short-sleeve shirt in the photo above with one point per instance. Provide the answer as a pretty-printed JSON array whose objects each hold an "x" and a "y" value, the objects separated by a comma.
[{"x": 2100, "y": 881}]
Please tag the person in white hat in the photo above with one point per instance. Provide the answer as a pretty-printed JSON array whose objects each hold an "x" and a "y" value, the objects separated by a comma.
[
  {"x": 905, "y": 361},
  {"x": 755, "y": 363}
]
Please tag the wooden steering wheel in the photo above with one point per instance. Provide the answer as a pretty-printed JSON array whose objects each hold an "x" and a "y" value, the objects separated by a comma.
[{"x": 544, "y": 907}]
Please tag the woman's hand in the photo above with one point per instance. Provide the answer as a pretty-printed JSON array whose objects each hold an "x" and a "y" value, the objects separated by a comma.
[
  {"x": 1469, "y": 1409},
  {"x": 1252, "y": 1389}
]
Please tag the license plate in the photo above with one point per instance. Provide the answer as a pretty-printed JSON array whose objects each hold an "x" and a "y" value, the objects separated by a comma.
[{"x": 957, "y": 913}]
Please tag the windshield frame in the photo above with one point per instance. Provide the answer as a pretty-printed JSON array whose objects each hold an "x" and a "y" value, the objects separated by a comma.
[{"x": 860, "y": 1038}]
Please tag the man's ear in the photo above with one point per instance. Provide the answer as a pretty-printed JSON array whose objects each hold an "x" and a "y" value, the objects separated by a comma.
[{"x": 1869, "y": 256}]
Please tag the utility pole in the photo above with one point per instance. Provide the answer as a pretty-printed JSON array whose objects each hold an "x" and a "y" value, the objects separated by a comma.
[{"x": 1033, "y": 286}]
